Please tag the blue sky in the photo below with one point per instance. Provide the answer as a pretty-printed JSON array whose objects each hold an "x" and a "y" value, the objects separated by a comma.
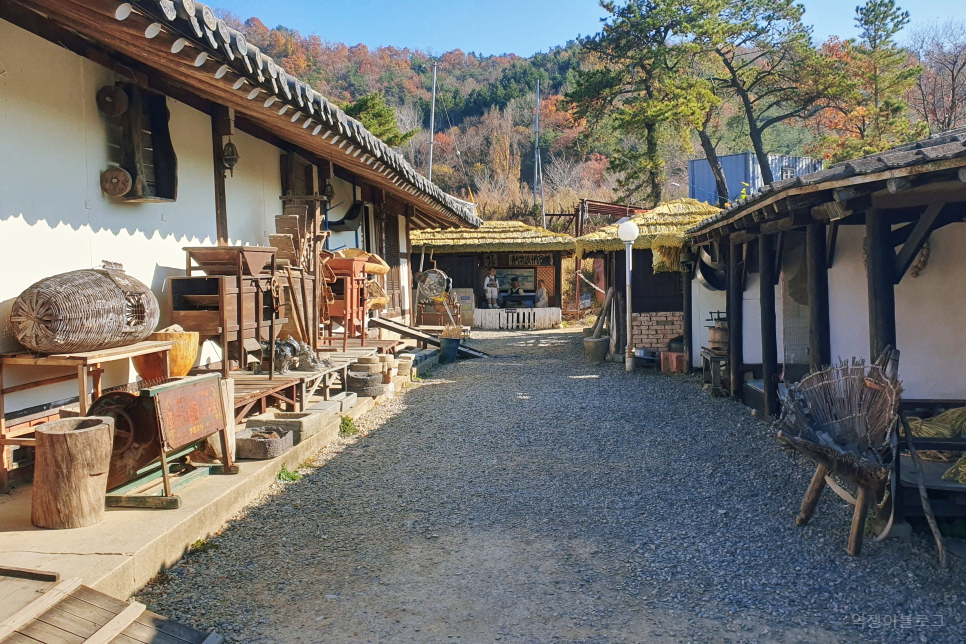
[{"x": 502, "y": 26}]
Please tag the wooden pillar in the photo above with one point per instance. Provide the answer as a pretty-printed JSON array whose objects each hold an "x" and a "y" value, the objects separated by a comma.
[
  {"x": 819, "y": 327},
  {"x": 558, "y": 278},
  {"x": 688, "y": 309},
  {"x": 735, "y": 310},
  {"x": 222, "y": 125},
  {"x": 880, "y": 263},
  {"x": 769, "y": 342}
]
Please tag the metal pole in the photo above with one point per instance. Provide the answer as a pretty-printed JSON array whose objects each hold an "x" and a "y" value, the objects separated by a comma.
[
  {"x": 432, "y": 126},
  {"x": 629, "y": 353},
  {"x": 536, "y": 149}
]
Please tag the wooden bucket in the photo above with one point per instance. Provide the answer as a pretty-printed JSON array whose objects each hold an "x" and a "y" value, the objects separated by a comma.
[
  {"x": 718, "y": 337},
  {"x": 182, "y": 358}
]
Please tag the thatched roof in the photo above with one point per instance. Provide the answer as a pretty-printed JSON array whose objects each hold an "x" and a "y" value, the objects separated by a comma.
[
  {"x": 664, "y": 225},
  {"x": 492, "y": 237}
]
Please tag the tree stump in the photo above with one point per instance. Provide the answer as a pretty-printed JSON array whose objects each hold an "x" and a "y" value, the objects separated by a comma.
[{"x": 70, "y": 472}]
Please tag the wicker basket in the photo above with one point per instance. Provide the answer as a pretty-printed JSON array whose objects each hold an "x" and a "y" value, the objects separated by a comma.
[{"x": 86, "y": 310}]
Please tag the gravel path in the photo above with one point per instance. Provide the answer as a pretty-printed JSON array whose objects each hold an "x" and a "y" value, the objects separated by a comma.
[{"x": 534, "y": 498}]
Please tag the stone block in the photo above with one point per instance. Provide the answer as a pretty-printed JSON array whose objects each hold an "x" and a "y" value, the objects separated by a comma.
[
  {"x": 326, "y": 407},
  {"x": 302, "y": 424},
  {"x": 348, "y": 401},
  {"x": 263, "y": 449}
]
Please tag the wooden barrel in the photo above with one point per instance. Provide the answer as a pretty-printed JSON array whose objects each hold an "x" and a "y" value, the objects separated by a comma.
[
  {"x": 70, "y": 472},
  {"x": 718, "y": 337},
  {"x": 183, "y": 355}
]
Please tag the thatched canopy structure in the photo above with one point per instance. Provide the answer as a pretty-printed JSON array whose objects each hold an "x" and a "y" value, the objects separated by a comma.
[
  {"x": 662, "y": 229},
  {"x": 493, "y": 237}
]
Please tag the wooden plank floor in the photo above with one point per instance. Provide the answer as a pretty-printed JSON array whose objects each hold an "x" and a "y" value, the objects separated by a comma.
[{"x": 80, "y": 614}]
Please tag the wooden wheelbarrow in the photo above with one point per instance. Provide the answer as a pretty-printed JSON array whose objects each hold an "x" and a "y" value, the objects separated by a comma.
[{"x": 871, "y": 480}]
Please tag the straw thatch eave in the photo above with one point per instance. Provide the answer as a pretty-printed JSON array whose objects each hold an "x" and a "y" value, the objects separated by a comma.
[
  {"x": 663, "y": 226},
  {"x": 493, "y": 237}
]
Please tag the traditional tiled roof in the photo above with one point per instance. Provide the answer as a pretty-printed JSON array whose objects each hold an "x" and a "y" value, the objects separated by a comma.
[
  {"x": 492, "y": 236},
  {"x": 180, "y": 31},
  {"x": 897, "y": 162},
  {"x": 664, "y": 225}
]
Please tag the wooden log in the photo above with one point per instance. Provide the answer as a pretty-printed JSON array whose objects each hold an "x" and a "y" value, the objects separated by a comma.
[
  {"x": 603, "y": 312},
  {"x": 70, "y": 472},
  {"x": 857, "y": 532},
  {"x": 812, "y": 496}
]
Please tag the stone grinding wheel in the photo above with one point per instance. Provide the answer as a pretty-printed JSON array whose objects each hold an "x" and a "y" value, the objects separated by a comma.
[
  {"x": 116, "y": 182},
  {"x": 366, "y": 368},
  {"x": 363, "y": 379},
  {"x": 136, "y": 442},
  {"x": 368, "y": 392}
]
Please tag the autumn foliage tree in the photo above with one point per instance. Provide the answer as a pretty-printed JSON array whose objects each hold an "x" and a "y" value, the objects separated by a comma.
[{"x": 871, "y": 114}]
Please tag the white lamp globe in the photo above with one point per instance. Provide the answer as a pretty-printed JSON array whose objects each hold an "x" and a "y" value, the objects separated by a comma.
[{"x": 628, "y": 231}]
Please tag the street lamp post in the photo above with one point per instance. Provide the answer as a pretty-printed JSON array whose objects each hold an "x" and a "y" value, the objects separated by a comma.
[{"x": 628, "y": 232}]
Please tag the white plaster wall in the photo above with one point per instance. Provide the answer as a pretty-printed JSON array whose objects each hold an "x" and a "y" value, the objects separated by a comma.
[
  {"x": 848, "y": 296},
  {"x": 928, "y": 313},
  {"x": 703, "y": 301},
  {"x": 930, "y": 310},
  {"x": 751, "y": 320},
  {"x": 53, "y": 215}
]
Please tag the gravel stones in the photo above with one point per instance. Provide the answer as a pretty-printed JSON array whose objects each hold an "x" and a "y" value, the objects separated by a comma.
[{"x": 532, "y": 497}]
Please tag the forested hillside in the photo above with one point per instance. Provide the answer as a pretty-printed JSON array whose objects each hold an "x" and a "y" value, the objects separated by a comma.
[{"x": 622, "y": 111}]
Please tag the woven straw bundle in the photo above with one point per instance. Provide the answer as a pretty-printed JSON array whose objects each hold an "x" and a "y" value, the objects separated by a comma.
[{"x": 86, "y": 310}]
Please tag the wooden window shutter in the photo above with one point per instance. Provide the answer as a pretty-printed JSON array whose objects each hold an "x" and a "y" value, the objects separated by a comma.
[{"x": 146, "y": 149}]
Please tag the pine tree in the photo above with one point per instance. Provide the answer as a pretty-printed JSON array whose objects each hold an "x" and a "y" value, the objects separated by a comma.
[{"x": 379, "y": 118}]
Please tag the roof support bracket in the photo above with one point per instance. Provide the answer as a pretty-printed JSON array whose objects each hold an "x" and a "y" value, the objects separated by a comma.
[{"x": 917, "y": 239}]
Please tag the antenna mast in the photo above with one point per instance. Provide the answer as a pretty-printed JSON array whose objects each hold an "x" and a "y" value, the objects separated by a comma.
[
  {"x": 432, "y": 126},
  {"x": 537, "y": 164}
]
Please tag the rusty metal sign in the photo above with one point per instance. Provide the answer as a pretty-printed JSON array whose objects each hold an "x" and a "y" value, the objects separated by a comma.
[{"x": 189, "y": 412}]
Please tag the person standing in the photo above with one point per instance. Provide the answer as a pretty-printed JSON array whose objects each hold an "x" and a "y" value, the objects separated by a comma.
[{"x": 491, "y": 288}]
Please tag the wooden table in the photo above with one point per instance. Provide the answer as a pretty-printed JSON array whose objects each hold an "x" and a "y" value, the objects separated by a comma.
[
  {"x": 87, "y": 364},
  {"x": 311, "y": 381},
  {"x": 251, "y": 390}
]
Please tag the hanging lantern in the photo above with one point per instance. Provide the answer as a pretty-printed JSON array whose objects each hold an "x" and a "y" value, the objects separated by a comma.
[
  {"x": 328, "y": 192},
  {"x": 229, "y": 157}
]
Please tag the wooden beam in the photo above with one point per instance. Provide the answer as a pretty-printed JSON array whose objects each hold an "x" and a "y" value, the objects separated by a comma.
[
  {"x": 735, "y": 311},
  {"x": 791, "y": 222},
  {"x": 921, "y": 195},
  {"x": 898, "y": 184},
  {"x": 880, "y": 269},
  {"x": 743, "y": 237},
  {"x": 819, "y": 327},
  {"x": 917, "y": 238},
  {"x": 769, "y": 342},
  {"x": 109, "y": 631},
  {"x": 221, "y": 117}
]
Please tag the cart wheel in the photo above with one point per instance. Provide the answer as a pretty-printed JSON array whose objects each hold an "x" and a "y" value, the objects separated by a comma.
[{"x": 114, "y": 404}]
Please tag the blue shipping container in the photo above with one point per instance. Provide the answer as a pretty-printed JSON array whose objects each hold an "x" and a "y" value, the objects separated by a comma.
[{"x": 741, "y": 169}]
